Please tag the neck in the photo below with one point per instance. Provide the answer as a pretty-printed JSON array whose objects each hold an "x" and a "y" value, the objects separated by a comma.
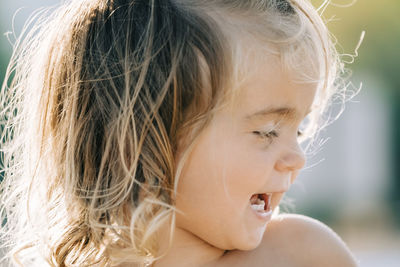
[{"x": 188, "y": 250}]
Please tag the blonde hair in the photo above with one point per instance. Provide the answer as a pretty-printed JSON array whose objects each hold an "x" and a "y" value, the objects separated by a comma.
[{"x": 100, "y": 96}]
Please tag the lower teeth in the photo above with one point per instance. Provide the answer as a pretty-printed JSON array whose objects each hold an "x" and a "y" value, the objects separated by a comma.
[
  {"x": 258, "y": 204},
  {"x": 258, "y": 207}
]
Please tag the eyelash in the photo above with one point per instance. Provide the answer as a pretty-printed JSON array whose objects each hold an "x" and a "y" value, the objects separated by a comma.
[
  {"x": 273, "y": 134},
  {"x": 265, "y": 135}
]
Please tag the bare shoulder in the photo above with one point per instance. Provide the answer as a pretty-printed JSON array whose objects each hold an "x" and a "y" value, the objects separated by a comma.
[
  {"x": 297, "y": 240},
  {"x": 307, "y": 242}
]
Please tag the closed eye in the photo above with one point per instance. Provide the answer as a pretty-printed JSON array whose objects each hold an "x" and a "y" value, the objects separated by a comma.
[
  {"x": 269, "y": 134},
  {"x": 272, "y": 134}
]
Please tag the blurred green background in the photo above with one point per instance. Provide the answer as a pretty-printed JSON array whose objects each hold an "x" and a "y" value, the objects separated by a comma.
[{"x": 352, "y": 183}]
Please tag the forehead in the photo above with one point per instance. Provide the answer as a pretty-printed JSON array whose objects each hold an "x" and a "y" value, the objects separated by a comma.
[{"x": 268, "y": 88}]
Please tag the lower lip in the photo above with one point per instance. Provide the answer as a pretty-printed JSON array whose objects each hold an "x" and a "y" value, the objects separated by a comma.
[{"x": 264, "y": 216}]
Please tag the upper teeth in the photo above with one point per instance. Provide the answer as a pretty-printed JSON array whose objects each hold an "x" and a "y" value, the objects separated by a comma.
[
  {"x": 259, "y": 201},
  {"x": 258, "y": 204}
]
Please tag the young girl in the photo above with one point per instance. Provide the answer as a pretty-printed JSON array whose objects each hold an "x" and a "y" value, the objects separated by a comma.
[{"x": 165, "y": 133}]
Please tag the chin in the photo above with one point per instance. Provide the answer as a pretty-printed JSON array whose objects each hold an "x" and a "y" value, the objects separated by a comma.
[
  {"x": 248, "y": 247},
  {"x": 251, "y": 242}
]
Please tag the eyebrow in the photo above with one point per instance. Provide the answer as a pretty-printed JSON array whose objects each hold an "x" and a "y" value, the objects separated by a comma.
[{"x": 288, "y": 112}]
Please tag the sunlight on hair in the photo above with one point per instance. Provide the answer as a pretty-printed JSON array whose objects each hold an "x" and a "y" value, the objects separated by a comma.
[{"x": 104, "y": 101}]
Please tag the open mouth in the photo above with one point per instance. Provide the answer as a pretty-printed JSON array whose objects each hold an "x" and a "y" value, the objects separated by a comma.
[{"x": 261, "y": 202}]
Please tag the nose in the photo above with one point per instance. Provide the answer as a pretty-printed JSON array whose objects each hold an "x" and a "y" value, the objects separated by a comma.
[{"x": 292, "y": 159}]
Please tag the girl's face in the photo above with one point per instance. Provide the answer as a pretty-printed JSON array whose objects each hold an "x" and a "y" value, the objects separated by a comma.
[{"x": 249, "y": 149}]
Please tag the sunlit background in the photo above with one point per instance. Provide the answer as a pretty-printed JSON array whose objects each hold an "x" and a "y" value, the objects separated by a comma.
[{"x": 353, "y": 183}]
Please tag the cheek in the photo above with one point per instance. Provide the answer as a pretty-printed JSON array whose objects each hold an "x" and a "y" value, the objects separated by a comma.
[
  {"x": 249, "y": 169},
  {"x": 216, "y": 184},
  {"x": 201, "y": 178}
]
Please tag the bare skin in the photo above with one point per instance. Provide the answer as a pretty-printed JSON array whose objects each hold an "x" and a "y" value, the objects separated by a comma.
[
  {"x": 230, "y": 163},
  {"x": 293, "y": 241},
  {"x": 290, "y": 241},
  {"x": 238, "y": 155}
]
